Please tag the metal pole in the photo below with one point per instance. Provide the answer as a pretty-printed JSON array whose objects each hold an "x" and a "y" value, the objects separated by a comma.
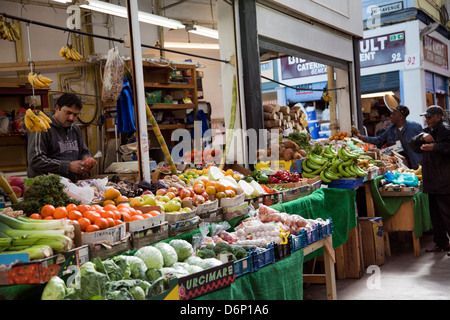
[{"x": 138, "y": 91}]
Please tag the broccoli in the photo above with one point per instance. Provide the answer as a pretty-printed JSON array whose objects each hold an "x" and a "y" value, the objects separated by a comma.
[
  {"x": 233, "y": 257},
  {"x": 205, "y": 253},
  {"x": 222, "y": 246},
  {"x": 239, "y": 252}
]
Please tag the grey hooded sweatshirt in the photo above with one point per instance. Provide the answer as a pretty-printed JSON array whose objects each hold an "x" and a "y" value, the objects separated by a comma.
[{"x": 52, "y": 151}]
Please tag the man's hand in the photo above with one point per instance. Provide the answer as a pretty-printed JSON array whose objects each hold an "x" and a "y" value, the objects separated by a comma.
[
  {"x": 77, "y": 167},
  {"x": 427, "y": 147},
  {"x": 428, "y": 138}
]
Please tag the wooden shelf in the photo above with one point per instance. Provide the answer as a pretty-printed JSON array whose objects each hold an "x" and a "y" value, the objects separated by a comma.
[
  {"x": 169, "y": 126},
  {"x": 170, "y": 106},
  {"x": 170, "y": 85}
]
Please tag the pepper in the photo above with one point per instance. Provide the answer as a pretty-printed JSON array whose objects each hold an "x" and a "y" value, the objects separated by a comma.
[
  {"x": 249, "y": 179},
  {"x": 263, "y": 179}
]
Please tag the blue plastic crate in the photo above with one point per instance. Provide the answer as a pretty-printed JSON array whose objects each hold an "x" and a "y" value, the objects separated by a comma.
[
  {"x": 312, "y": 236},
  {"x": 346, "y": 183},
  {"x": 283, "y": 250},
  {"x": 263, "y": 257},
  {"x": 244, "y": 265},
  {"x": 298, "y": 241},
  {"x": 325, "y": 229}
]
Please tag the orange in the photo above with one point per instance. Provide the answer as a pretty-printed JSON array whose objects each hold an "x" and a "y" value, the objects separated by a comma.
[
  {"x": 111, "y": 194},
  {"x": 96, "y": 207},
  {"x": 75, "y": 215},
  {"x": 60, "y": 213},
  {"x": 126, "y": 210},
  {"x": 211, "y": 184},
  {"x": 47, "y": 210},
  {"x": 121, "y": 199},
  {"x": 36, "y": 216},
  {"x": 74, "y": 222},
  {"x": 220, "y": 187},
  {"x": 107, "y": 214},
  {"x": 220, "y": 195},
  {"x": 139, "y": 212},
  {"x": 117, "y": 222},
  {"x": 123, "y": 205},
  {"x": 71, "y": 206},
  {"x": 102, "y": 223},
  {"x": 117, "y": 214},
  {"x": 109, "y": 207},
  {"x": 210, "y": 190},
  {"x": 83, "y": 207},
  {"x": 146, "y": 215},
  {"x": 93, "y": 216},
  {"x": 230, "y": 193},
  {"x": 154, "y": 213},
  {"x": 106, "y": 202},
  {"x": 86, "y": 213},
  {"x": 110, "y": 222},
  {"x": 49, "y": 218},
  {"x": 84, "y": 223},
  {"x": 136, "y": 217},
  {"x": 126, "y": 217},
  {"x": 92, "y": 228}
]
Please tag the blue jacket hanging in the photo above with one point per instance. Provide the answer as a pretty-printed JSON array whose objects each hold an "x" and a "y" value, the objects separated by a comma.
[{"x": 126, "y": 119}]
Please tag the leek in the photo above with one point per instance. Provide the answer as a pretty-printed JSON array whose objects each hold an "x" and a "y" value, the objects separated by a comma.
[
  {"x": 24, "y": 224},
  {"x": 59, "y": 243},
  {"x": 34, "y": 252}
]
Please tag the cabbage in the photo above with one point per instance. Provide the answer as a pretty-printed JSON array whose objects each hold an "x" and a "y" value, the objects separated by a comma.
[
  {"x": 136, "y": 265},
  {"x": 176, "y": 272},
  {"x": 151, "y": 256},
  {"x": 182, "y": 265},
  {"x": 183, "y": 248},
  {"x": 209, "y": 263},
  {"x": 137, "y": 293},
  {"x": 55, "y": 289},
  {"x": 168, "y": 252},
  {"x": 193, "y": 260},
  {"x": 193, "y": 269}
]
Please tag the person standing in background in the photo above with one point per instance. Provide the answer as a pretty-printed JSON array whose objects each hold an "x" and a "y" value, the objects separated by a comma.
[{"x": 434, "y": 144}]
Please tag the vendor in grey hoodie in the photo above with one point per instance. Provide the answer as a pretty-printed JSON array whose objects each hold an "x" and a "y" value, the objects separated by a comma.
[{"x": 61, "y": 149}]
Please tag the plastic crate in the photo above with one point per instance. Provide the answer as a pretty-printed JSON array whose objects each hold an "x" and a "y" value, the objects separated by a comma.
[
  {"x": 313, "y": 235},
  {"x": 346, "y": 183},
  {"x": 282, "y": 251},
  {"x": 244, "y": 265},
  {"x": 263, "y": 257},
  {"x": 298, "y": 241},
  {"x": 326, "y": 229}
]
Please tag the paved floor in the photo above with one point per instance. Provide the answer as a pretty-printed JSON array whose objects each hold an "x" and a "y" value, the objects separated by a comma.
[{"x": 402, "y": 277}]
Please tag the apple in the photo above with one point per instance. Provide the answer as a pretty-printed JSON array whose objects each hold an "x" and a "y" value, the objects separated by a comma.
[
  {"x": 149, "y": 200},
  {"x": 199, "y": 188},
  {"x": 198, "y": 199},
  {"x": 176, "y": 199},
  {"x": 173, "y": 189},
  {"x": 170, "y": 194},
  {"x": 205, "y": 195},
  {"x": 146, "y": 192},
  {"x": 161, "y": 192},
  {"x": 191, "y": 190},
  {"x": 184, "y": 193},
  {"x": 164, "y": 199},
  {"x": 172, "y": 206}
]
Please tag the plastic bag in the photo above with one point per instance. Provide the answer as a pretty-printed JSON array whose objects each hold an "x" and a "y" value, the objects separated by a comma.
[
  {"x": 408, "y": 179},
  {"x": 84, "y": 194},
  {"x": 201, "y": 239},
  {"x": 112, "y": 76}
]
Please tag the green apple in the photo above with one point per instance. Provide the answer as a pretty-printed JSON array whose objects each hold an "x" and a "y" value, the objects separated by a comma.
[
  {"x": 172, "y": 206},
  {"x": 164, "y": 199},
  {"x": 149, "y": 199}
]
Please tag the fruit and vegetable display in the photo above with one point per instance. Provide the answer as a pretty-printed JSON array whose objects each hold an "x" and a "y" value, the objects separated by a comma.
[{"x": 130, "y": 277}]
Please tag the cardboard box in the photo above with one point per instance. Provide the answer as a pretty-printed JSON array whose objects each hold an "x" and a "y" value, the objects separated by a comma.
[
  {"x": 372, "y": 240},
  {"x": 105, "y": 249},
  {"x": 146, "y": 223},
  {"x": 232, "y": 202},
  {"x": 398, "y": 191},
  {"x": 113, "y": 235},
  {"x": 144, "y": 237},
  {"x": 40, "y": 271},
  {"x": 353, "y": 255}
]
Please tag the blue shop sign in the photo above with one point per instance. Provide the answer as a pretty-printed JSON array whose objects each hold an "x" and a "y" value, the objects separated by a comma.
[{"x": 302, "y": 95}]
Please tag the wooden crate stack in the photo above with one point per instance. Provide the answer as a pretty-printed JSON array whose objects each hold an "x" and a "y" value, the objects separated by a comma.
[{"x": 283, "y": 117}]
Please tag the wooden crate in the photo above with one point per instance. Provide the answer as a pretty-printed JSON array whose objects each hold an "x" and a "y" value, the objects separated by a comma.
[{"x": 350, "y": 257}]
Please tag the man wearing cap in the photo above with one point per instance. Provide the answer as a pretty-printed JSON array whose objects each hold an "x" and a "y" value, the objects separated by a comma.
[
  {"x": 434, "y": 144},
  {"x": 399, "y": 130}
]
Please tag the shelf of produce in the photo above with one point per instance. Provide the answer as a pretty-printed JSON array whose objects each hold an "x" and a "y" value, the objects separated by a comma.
[
  {"x": 170, "y": 85},
  {"x": 170, "y": 106}
]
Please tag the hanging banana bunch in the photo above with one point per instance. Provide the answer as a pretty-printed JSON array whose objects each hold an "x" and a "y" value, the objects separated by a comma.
[
  {"x": 326, "y": 97},
  {"x": 37, "y": 121},
  {"x": 70, "y": 54},
  {"x": 8, "y": 31},
  {"x": 38, "y": 81}
]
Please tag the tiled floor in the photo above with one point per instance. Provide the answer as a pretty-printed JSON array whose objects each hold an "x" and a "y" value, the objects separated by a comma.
[{"x": 402, "y": 277}]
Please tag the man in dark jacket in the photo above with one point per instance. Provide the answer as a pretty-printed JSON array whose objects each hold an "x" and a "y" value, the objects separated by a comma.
[
  {"x": 434, "y": 144},
  {"x": 400, "y": 130},
  {"x": 61, "y": 149}
]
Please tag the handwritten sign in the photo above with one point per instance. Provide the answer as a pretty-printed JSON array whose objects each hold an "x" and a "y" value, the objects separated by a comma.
[{"x": 435, "y": 51}]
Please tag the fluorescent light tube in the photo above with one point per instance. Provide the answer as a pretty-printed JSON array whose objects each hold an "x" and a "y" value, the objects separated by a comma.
[
  {"x": 207, "y": 32},
  {"x": 119, "y": 11},
  {"x": 191, "y": 45},
  {"x": 378, "y": 94}
]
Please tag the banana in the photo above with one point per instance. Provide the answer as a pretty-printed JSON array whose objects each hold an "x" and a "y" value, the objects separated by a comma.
[
  {"x": 359, "y": 172},
  {"x": 44, "y": 79},
  {"x": 330, "y": 175},
  {"x": 44, "y": 116},
  {"x": 316, "y": 158},
  {"x": 307, "y": 175},
  {"x": 349, "y": 154},
  {"x": 39, "y": 124},
  {"x": 335, "y": 163},
  {"x": 343, "y": 172},
  {"x": 30, "y": 78},
  {"x": 349, "y": 172},
  {"x": 15, "y": 31},
  {"x": 62, "y": 52},
  {"x": 324, "y": 179},
  {"x": 305, "y": 167},
  {"x": 312, "y": 165},
  {"x": 29, "y": 123},
  {"x": 341, "y": 155},
  {"x": 38, "y": 83}
]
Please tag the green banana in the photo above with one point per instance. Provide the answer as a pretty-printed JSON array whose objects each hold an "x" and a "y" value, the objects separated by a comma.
[
  {"x": 330, "y": 175},
  {"x": 312, "y": 165},
  {"x": 324, "y": 179},
  {"x": 305, "y": 167},
  {"x": 316, "y": 158},
  {"x": 341, "y": 155},
  {"x": 335, "y": 163},
  {"x": 349, "y": 154},
  {"x": 349, "y": 171},
  {"x": 307, "y": 175},
  {"x": 343, "y": 172},
  {"x": 359, "y": 172}
]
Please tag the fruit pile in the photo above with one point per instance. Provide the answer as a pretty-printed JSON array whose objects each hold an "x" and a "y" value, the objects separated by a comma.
[
  {"x": 94, "y": 217},
  {"x": 207, "y": 156},
  {"x": 330, "y": 164},
  {"x": 339, "y": 136}
]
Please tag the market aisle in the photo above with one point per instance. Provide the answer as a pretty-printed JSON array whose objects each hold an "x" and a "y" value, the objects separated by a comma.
[{"x": 402, "y": 277}]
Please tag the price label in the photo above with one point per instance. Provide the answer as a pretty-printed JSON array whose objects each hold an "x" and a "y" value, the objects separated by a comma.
[{"x": 412, "y": 61}]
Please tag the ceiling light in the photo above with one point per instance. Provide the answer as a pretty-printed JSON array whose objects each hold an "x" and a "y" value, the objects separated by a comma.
[
  {"x": 63, "y": 1},
  {"x": 207, "y": 32},
  {"x": 191, "y": 45},
  {"x": 377, "y": 94},
  {"x": 119, "y": 11}
]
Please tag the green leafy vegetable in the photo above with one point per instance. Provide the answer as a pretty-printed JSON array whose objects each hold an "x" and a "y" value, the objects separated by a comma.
[
  {"x": 301, "y": 139},
  {"x": 168, "y": 252},
  {"x": 55, "y": 289},
  {"x": 183, "y": 248}
]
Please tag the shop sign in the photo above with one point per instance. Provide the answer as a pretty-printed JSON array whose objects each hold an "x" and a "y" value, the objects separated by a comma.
[
  {"x": 381, "y": 50},
  {"x": 392, "y": 7},
  {"x": 306, "y": 92},
  {"x": 293, "y": 67},
  {"x": 435, "y": 51},
  {"x": 266, "y": 70}
]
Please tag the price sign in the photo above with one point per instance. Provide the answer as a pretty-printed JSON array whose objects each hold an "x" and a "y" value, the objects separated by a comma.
[{"x": 412, "y": 61}]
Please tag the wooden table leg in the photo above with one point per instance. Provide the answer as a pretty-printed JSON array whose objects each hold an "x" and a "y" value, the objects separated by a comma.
[
  {"x": 328, "y": 257},
  {"x": 369, "y": 200},
  {"x": 416, "y": 245}
]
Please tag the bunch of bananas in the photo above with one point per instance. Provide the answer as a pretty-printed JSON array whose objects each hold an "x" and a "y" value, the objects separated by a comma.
[
  {"x": 39, "y": 81},
  {"x": 70, "y": 54},
  {"x": 329, "y": 164},
  {"x": 417, "y": 172},
  {"x": 8, "y": 31},
  {"x": 37, "y": 122}
]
